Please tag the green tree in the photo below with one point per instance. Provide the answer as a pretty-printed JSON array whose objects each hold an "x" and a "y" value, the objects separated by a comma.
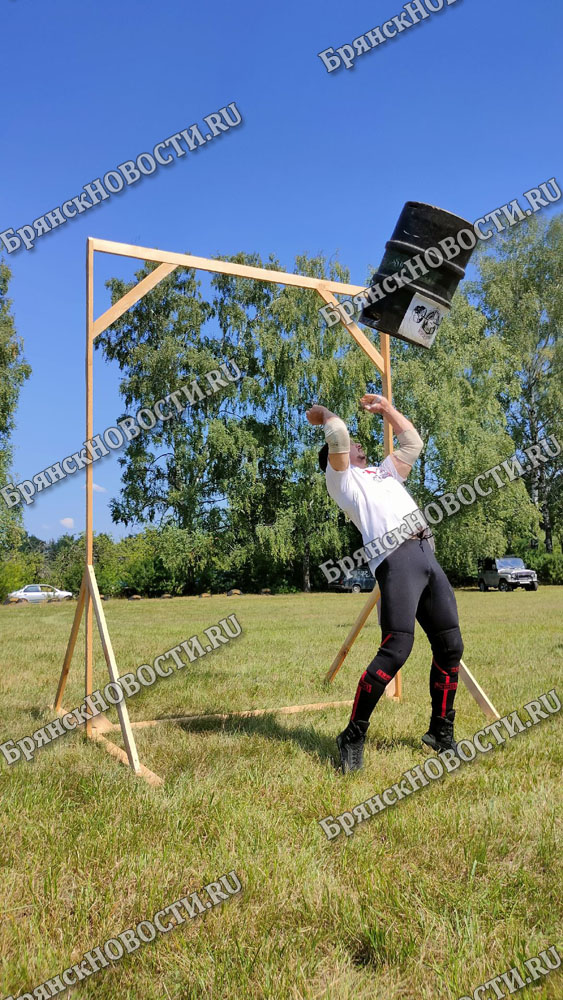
[
  {"x": 14, "y": 370},
  {"x": 454, "y": 396},
  {"x": 66, "y": 562},
  {"x": 295, "y": 360},
  {"x": 234, "y": 478},
  {"x": 13, "y": 575},
  {"x": 107, "y": 564},
  {"x": 237, "y": 468},
  {"x": 160, "y": 346},
  {"x": 520, "y": 292}
]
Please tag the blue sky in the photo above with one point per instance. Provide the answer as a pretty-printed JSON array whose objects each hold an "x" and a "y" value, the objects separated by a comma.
[{"x": 462, "y": 111}]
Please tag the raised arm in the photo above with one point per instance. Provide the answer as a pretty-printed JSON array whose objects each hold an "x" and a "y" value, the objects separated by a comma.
[
  {"x": 409, "y": 439},
  {"x": 336, "y": 435}
]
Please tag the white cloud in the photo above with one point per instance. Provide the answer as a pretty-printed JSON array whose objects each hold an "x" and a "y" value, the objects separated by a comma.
[
  {"x": 67, "y": 522},
  {"x": 96, "y": 488}
]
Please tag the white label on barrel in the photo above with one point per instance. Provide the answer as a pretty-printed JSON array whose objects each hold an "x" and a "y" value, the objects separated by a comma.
[{"x": 421, "y": 321}]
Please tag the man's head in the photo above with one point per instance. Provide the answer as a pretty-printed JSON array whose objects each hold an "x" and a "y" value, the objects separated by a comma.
[{"x": 357, "y": 456}]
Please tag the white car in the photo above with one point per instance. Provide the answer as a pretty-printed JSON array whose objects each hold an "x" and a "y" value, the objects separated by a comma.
[{"x": 37, "y": 592}]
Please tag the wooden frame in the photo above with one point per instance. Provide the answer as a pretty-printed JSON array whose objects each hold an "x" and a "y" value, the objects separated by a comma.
[{"x": 89, "y": 602}]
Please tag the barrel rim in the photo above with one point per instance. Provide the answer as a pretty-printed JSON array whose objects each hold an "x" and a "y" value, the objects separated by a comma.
[{"x": 436, "y": 208}]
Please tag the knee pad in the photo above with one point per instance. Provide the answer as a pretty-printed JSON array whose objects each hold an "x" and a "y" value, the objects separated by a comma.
[
  {"x": 391, "y": 655},
  {"x": 447, "y": 648}
]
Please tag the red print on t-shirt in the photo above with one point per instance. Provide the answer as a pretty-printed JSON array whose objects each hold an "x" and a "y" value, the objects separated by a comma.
[{"x": 380, "y": 473}]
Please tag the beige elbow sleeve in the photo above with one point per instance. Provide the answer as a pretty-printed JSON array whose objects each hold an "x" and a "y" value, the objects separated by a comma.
[
  {"x": 411, "y": 446},
  {"x": 336, "y": 436}
]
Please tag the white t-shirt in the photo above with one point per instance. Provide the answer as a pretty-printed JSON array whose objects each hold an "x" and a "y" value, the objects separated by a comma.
[{"x": 375, "y": 501}]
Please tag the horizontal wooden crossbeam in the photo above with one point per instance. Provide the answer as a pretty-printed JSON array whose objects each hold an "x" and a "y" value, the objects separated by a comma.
[{"x": 223, "y": 267}]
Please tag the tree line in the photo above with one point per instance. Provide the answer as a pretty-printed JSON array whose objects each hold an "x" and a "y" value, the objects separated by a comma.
[{"x": 228, "y": 492}]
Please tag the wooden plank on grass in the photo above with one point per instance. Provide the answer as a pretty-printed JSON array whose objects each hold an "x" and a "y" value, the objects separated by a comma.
[
  {"x": 288, "y": 710},
  {"x": 143, "y": 772}
]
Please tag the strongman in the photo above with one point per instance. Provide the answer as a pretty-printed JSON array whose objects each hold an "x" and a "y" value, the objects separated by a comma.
[{"x": 413, "y": 585}]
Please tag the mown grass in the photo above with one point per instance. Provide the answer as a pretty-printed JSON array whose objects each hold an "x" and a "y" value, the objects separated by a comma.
[{"x": 428, "y": 900}]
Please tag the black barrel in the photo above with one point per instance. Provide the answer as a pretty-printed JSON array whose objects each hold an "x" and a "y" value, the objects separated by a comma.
[{"x": 414, "y": 312}]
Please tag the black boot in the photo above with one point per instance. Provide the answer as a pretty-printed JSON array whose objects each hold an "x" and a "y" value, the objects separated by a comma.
[
  {"x": 440, "y": 735},
  {"x": 350, "y": 743}
]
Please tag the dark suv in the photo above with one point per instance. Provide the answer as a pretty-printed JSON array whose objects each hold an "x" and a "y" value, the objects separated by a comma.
[
  {"x": 359, "y": 579},
  {"x": 506, "y": 574}
]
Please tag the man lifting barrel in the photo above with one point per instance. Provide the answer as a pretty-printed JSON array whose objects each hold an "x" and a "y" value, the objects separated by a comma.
[{"x": 413, "y": 585}]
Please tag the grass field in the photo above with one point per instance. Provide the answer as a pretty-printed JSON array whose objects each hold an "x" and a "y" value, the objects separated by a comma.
[{"x": 449, "y": 888}]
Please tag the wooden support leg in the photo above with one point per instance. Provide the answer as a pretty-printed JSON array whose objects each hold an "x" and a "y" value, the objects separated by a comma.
[
  {"x": 476, "y": 690},
  {"x": 122, "y": 711},
  {"x": 88, "y": 652},
  {"x": 251, "y": 713},
  {"x": 71, "y": 643},
  {"x": 353, "y": 634},
  {"x": 143, "y": 772},
  {"x": 394, "y": 688}
]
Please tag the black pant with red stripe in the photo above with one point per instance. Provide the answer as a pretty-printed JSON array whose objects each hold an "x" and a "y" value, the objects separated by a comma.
[{"x": 413, "y": 587}]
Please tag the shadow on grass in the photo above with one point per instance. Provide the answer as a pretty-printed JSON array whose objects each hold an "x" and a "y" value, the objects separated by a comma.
[{"x": 312, "y": 742}]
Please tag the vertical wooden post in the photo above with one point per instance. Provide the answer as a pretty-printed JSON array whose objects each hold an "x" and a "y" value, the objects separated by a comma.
[
  {"x": 385, "y": 345},
  {"x": 395, "y": 687},
  {"x": 89, "y": 471}
]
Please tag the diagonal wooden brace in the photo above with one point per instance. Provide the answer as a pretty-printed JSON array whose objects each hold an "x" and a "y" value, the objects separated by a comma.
[
  {"x": 395, "y": 687},
  {"x": 475, "y": 689},
  {"x": 71, "y": 643}
]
